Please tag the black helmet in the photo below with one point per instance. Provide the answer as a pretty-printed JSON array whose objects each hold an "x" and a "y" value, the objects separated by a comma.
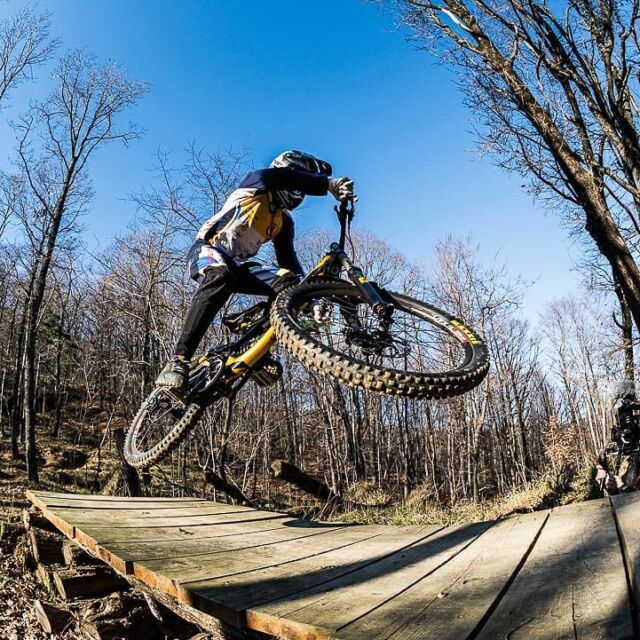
[{"x": 302, "y": 162}]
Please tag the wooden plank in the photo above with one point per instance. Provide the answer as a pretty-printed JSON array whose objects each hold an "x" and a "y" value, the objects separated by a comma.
[
  {"x": 49, "y": 497},
  {"x": 214, "y": 526},
  {"x": 127, "y": 529},
  {"x": 83, "y": 518},
  {"x": 171, "y": 537},
  {"x": 126, "y": 537},
  {"x": 146, "y": 508},
  {"x": 572, "y": 585},
  {"x": 337, "y": 603},
  {"x": 226, "y": 596},
  {"x": 99, "y": 540},
  {"x": 189, "y": 548},
  {"x": 450, "y": 602},
  {"x": 281, "y": 582},
  {"x": 168, "y": 574},
  {"x": 625, "y": 507}
]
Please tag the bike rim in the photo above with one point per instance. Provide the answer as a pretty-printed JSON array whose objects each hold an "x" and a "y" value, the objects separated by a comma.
[
  {"x": 420, "y": 339},
  {"x": 158, "y": 419}
]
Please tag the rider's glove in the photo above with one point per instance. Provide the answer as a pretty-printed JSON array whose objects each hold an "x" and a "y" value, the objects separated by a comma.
[{"x": 342, "y": 188}]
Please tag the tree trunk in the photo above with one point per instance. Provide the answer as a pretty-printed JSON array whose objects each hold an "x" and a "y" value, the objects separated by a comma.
[{"x": 626, "y": 326}]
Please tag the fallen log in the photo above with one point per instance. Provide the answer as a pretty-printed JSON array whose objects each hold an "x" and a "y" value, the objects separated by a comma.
[
  {"x": 283, "y": 470},
  {"x": 52, "y": 619},
  {"x": 46, "y": 547},
  {"x": 220, "y": 484},
  {"x": 87, "y": 583}
]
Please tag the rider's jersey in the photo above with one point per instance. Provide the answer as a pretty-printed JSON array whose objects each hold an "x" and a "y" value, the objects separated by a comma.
[{"x": 253, "y": 215}]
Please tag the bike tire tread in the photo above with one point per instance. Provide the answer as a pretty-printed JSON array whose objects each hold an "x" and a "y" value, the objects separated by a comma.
[
  {"x": 165, "y": 446},
  {"x": 370, "y": 377}
]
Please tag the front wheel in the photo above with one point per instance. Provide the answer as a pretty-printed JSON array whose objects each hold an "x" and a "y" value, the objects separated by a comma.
[{"x": 423, "y": 353}]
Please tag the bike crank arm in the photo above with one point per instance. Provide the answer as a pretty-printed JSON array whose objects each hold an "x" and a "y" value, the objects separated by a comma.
[{"x": 382, "y": 307}]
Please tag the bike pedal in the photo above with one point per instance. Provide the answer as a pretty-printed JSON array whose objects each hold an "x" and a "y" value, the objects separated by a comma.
[{"x": 269, "y": 371}]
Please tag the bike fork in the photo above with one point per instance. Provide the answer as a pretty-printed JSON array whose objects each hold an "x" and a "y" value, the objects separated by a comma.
[{"x": 380, "y": 306}]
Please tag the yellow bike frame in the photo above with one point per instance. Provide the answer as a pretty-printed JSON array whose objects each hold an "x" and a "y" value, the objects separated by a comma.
[{"x": 237, "y": 365}]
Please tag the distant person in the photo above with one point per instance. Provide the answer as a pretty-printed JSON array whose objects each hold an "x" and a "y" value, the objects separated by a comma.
[
  {"x": 618, "y": 465},
  {"x": 259, "y": 210}
]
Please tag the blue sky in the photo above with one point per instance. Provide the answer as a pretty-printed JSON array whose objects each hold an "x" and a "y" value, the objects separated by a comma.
[{"x": 332, "y": 77}]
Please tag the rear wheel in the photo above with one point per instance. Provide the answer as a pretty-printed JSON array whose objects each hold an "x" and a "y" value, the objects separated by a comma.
[
  {"x": 423, "y": 353},
  {"x": 161, "y": 423}
]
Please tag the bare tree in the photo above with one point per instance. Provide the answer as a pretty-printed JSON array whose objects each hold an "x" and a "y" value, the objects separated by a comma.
[
  {"x": 56, "y": 139},
  {"x": 555, "y": 88},
  {"x": 25, "y": 43}
]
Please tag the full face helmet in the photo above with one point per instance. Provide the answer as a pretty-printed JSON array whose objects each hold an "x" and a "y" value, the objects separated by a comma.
[{"x": 301, "y": 162}]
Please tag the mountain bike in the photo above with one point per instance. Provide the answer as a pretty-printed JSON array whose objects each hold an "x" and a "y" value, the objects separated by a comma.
[{"x": 368, "y": 337}]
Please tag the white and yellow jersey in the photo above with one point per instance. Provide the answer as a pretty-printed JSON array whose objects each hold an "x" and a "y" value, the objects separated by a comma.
[
  {"x": 246, "y": 221},
  {"x": 252, "y": 215}
]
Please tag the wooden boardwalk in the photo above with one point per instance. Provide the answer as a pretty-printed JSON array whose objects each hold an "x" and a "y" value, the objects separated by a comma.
[{"x": 571, "y": 572}]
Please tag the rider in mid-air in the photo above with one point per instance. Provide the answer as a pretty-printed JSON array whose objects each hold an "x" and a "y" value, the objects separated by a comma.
[{"x": 259, "y": 210}]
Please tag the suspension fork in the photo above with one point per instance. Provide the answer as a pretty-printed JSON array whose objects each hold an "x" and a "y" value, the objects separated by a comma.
[{"x": 381, "y": 306}]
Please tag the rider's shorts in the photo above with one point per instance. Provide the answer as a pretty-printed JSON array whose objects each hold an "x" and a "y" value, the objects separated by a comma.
[{"x": 202, "y": 257}]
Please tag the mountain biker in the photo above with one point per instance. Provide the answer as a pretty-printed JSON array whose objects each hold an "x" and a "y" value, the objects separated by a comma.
[{"x": 256, "y": 212}]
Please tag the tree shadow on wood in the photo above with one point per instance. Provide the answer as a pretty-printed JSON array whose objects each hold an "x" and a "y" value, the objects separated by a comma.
[
  {"x": 229, "y": 597},
  {"x": 578, "y": 591}
]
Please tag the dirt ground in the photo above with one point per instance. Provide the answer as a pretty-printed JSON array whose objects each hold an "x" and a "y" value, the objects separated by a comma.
[{"x": 18, "y": 587}]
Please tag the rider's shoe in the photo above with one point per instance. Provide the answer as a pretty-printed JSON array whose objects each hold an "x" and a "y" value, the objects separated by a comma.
[{"x": 174, "y": 374}]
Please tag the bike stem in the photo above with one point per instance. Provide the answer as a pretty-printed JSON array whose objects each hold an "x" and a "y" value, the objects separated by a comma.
[{"x": 345, "y": 213}]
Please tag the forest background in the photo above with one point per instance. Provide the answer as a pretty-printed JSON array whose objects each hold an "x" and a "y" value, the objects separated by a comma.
[{"x": 93, "y": 286}]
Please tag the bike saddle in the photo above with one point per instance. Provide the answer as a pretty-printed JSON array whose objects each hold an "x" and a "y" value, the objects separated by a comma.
[{"x": 242, "y": 320}]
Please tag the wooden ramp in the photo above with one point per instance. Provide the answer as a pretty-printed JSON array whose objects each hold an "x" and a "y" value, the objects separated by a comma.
[{"x": 571, "y": 572}]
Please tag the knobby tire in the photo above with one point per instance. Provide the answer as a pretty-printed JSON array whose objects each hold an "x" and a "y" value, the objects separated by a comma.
[{"x": 357, "y": 372}]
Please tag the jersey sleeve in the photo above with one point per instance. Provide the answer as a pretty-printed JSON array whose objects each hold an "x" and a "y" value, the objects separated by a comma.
[
  {"x": 283, "y": 179},
  {"x": 284, "y": 248}
]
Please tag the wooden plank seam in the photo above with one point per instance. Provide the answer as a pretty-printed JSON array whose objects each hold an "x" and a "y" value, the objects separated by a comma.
[
  {"x": 494, "y": 605},
  {"x": 417, "y": 580},
  {"x": 628, "y": 561}
]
